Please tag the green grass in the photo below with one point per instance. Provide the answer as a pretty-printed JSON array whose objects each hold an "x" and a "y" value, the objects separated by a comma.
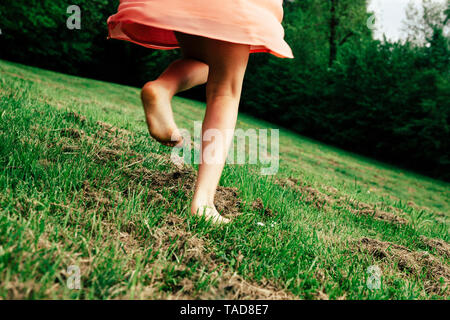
[{"x": 105, "y": 197}]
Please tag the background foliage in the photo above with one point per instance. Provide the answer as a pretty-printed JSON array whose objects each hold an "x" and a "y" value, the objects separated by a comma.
[{"x": 386, "y": 100}]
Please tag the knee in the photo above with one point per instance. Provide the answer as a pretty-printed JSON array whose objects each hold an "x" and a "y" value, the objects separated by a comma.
[{"x": 224, "y": 87}]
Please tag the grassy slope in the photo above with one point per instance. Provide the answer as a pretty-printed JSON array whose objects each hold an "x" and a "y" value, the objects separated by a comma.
[{"x": 75, "y": 191}]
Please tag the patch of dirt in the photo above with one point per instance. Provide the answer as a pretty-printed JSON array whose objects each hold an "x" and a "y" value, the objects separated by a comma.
[
  {"x": 18, "y": 289},
  {"x": 330, "y": 189},
  {"x": 440, "y": 214},
  {"x": 410, "y": 262},
  {"x": 441, "y": 247},
  {"x": 44, "y": 162},
  {"x": 94, "y": 198},
  {"x": 163, "y": 159},
  {"x": 330, "y": 161},
  {"x": 357, "y": 207},
  {"x": 324, "y": 201},
  {"x": 105, "y": 155},
  {"x": 233, "y": 287},
  {"x": 72, "y": 115},
  {"x": 154, "y": 197},
  {"x": 308, "y": 194},
  {"x": 111, "y": 129},
  {"x": 171, "y": 273},
  {"x": 68, "y": 148},
  {"x": 183, "y": 248},
  {"x": 72, "y": 133},
  {"x": 26, "y": 206},
  {"x": 227, "y": 199},
  {"x": 172, "y": 234},
  {"x": 227, "y": 202},
  {"x": 258, "y": 205},
  {"x": 174, "y": 180},
  {"x": 320, "y": 295},
  {"x": 116, "y": 138}
]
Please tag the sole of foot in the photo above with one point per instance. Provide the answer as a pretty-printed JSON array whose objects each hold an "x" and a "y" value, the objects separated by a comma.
[
  {"x": 210, "y": 214},
  {"x": 159, "y": 116}
]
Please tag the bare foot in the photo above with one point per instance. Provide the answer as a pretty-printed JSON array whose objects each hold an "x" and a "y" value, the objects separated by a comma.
[
  {"x": 210, "y": 213},
  {"x": 159, "y": 116}
]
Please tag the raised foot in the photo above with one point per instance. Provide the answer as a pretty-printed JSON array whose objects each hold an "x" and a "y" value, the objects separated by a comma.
[{"x": 156, "y": 101}]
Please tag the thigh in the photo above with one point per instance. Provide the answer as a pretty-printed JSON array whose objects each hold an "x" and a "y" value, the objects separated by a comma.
[
  {"x": 212, "y": 51},
  {"x": 227, "y": 61}
]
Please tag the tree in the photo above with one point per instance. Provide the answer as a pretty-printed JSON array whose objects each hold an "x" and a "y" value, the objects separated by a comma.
[
  {"x": 347, "y": 18},
  {"x": 422, "y": 21}
]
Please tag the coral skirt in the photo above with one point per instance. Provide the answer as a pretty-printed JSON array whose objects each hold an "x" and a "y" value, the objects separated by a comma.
[{"x": 151, "y": 23}]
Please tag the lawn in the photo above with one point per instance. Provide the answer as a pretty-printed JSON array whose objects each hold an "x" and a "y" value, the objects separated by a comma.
[{"x": 83, "y": 187}]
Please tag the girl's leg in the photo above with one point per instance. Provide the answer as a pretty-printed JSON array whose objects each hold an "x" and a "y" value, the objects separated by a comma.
[
  {"x": 156, "y": 96},
  {"x": 227, "y": 64}
]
